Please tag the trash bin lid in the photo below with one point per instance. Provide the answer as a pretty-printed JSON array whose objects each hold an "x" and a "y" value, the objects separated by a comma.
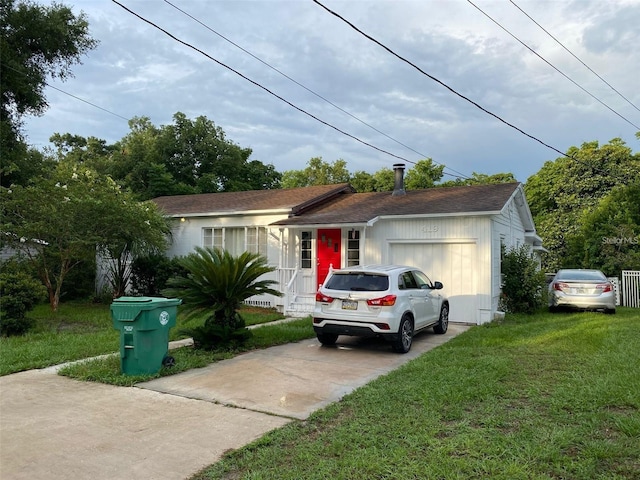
[
  {"x": 135, "y": 299},
  {"x": 147, "y": 302}
]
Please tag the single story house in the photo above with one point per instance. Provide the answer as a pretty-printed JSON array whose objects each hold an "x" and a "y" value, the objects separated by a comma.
[{"x": 454, "y": 234}]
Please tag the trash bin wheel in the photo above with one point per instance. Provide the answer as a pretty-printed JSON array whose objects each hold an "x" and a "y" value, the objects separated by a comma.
[{"x": 168, "y": 361}]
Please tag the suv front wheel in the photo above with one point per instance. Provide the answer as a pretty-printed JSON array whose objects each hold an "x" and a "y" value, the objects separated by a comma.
[
  {"x": 405, "y": 335},
  {"x": 443, "y": 322}
]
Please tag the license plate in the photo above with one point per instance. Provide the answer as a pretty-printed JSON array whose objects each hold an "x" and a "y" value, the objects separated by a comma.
[{"x": 349, "y": 305}]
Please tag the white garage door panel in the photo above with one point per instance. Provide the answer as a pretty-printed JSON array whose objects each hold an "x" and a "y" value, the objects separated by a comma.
[{"x": 449, "y": 263}]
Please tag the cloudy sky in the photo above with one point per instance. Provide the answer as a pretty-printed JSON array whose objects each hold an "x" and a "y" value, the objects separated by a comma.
[{"x": 354, "y": 85}]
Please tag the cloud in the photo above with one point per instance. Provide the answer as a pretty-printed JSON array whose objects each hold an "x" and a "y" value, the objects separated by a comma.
[{"x": 139, "y": 71}]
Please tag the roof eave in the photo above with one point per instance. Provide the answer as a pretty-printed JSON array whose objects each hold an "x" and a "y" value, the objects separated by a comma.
[
  {"x": 319, "y": 225},
  {"x": 433, "y": 215},
  {"x": 235, "y": 213}
]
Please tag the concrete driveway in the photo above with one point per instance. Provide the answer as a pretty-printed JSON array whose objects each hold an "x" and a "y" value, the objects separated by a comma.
[{"x": 57, "y": 428}]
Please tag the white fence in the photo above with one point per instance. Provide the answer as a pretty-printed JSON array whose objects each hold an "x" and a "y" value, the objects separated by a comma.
[{"x": 631, "y": 288}]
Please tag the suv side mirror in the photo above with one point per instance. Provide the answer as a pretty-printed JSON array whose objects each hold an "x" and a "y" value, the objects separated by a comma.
[{"x": 437, "y": 285}]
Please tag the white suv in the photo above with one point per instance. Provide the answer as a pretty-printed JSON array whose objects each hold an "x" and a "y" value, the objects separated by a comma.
[{"x": 389, "y": 301}]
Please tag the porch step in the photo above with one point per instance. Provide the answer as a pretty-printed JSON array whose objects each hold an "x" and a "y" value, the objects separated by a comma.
[{"x": 302, "y": 305}]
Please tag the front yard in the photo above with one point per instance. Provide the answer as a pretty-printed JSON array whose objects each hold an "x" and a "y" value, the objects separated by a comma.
[
  {"x": 534, "y": 397},
  {"x": 547, "y": 396},
  {"x": 80, "y": 330}
]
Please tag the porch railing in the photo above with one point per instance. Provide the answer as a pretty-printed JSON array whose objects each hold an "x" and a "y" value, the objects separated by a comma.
[{"x": 287, "y": 284}]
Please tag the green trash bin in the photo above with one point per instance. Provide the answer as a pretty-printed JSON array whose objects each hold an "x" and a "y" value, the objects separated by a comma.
[{"x": 144, "y": 324}]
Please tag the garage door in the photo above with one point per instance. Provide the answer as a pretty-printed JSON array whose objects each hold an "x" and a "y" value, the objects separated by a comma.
[{"x": 450, "y": 263}]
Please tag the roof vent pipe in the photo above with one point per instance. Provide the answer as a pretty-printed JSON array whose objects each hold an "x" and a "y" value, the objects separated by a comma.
[{"x": 398, "y": 187}]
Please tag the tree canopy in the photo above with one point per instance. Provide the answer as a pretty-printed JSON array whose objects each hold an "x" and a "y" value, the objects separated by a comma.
[
  {"x": 424, "y": 174},
  {"x": 317, "y": 172},
  {"x": 36, "y": 42},
  {"x": 185, "y": 157},
  {"x": 59, "y": 221},
  {"x": 566, "y": 195}
]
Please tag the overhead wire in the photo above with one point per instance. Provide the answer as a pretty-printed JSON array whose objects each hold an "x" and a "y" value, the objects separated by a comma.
[
  {"x": 188, "y": 45},
  {"x": 452, "y": 90},
  {"x": 70, "y": 94},
  {"x": 308, "y": 89},
  {"x": 575, "y": 56},
  {"x": 553, "y": 66}
]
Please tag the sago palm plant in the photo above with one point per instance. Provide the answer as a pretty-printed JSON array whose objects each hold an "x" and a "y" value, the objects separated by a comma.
[{"x": 217, "y": 283}]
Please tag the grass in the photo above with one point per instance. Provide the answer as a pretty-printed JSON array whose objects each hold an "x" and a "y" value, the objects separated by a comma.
[
  {"x": 534, "y": 397},
  {"x": 108, "y": 370},
  {"x": 83, "y": 330}
]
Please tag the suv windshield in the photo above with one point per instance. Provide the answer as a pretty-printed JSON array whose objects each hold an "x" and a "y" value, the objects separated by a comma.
[{"x": 364, "y": 282}]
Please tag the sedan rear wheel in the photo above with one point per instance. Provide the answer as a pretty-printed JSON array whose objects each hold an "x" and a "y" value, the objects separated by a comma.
[
  {"x": 405, "y": 335},
  {"x": 443, "y": 323}
]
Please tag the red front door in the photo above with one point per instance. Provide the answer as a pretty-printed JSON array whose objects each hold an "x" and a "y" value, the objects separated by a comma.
[{"x": 329, "y": 252}]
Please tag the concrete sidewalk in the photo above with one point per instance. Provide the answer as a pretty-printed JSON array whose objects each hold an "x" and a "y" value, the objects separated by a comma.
[{"x": 169, "y": 428}]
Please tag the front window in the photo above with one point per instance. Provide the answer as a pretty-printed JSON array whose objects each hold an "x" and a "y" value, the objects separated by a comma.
[
  {"x": 212, "y": 237},
  {"x": 305, "y": 250},
  {"x": 353, "y": 248},
  {"x": 236, "y": 240},
  {"x": 257, "y": 240}
]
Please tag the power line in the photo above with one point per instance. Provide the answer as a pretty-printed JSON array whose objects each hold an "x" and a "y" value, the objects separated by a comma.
[
  {"x": 440, "y": 82},
  {"x": 306, "y": 88},
  {"x": 173, "y": 37},
  {"x": 554, "y": 67},
  {"x": 575, "y": 56},
  {"x": 69, "y": 94}
]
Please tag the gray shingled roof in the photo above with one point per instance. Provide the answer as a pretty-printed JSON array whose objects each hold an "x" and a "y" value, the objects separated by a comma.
[
  {"x": 362, "y": 207},
  {"x": 339, "y": 204},
  {"x": 294, "y": 199}
]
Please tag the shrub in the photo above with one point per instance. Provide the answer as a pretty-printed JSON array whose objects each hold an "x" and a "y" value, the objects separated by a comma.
[
  {"x": 217, "y": 283},
  {"x": 19, "y": 293},
  {"x": 211, "y": 336},
  {"x": 524, "y": 284},
  {"x": 149, "y": 274}
]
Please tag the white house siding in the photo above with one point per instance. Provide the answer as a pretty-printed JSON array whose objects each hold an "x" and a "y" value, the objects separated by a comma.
[
  {"x": 453, "y": 250},
  {"x": 507, "y": 230},
  {"x": 188, "y": 234}
]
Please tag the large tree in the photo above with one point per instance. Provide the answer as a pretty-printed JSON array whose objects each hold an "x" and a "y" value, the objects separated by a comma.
[
  {"x": 36, "y": 43},
  {"x": 188, "y": 156},
  {"x": 317, "y": 172},
  {"x": 480, "y": 179},
  {"x": 382, "y": 180},
  {"x": 424, "y": 174},
  {"x": 566, "y": 190},
  {"x": 609, "y": 236},
  {"x": 62, "y": 220}
]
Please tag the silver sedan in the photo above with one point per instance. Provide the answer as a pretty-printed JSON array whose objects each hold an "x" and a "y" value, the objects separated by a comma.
[{"x": 581, "y": 289}]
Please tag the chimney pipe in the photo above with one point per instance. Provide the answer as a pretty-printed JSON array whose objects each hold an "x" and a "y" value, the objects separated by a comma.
[{"x": 398, "y": 188}]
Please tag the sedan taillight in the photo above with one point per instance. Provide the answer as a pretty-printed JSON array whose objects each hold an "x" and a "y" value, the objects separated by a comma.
[
  {"x": 386, "y": 301},
  {"x": 604, "y": 287},
  {"x": 320, "y": 297},
  {"x": 560, "y": 285}
]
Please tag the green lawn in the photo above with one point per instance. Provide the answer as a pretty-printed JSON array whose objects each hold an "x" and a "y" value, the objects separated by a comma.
[
  {"x": 533, "y": 397},
  {"x": 82, "y": 330}
]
